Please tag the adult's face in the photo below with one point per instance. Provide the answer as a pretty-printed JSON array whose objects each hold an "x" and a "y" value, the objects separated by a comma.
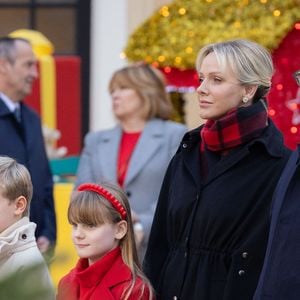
[
  {"x": 126, "y": 103},
  {"x": 219, "y": 90},
  {"x": 21, "y": 74}
]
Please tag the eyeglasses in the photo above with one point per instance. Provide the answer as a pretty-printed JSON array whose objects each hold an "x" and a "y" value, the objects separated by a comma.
[{"x": 297, "y": 77}]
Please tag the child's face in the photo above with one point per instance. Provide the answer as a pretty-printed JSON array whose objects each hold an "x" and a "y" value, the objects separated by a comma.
[
  {"x": 7, "y": 213},
  {"x": 93, "y": 242}
]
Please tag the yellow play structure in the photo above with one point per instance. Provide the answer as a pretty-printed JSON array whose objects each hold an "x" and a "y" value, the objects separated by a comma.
[{"x": 65, "y": 254}]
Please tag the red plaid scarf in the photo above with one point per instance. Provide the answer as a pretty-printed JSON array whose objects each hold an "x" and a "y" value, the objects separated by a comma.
[{"x": 237, "y": 127}]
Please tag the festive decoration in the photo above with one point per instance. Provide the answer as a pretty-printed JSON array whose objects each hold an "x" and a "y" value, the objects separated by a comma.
[
  {"x": 284, "y": 96},
  {"x": 174, "y": 34}
]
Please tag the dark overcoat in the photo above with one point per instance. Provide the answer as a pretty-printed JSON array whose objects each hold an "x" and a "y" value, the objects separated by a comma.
[
  {"x": 24, "y": 142},
  {"x": 280, "y": 278},
  {"x": 209, "y": 237}
]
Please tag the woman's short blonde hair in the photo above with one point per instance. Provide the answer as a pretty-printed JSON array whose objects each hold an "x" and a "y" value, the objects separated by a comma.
[
  {"x": 150, "y": 85},
  {"x": 15, "y": 181},
  {"x": 250, "y": 62}
]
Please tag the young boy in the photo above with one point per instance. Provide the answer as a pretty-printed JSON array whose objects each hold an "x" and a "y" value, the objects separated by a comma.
[{"x": 18, "y": 248}]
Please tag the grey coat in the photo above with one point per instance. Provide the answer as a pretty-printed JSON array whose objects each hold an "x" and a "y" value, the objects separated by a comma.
[{"x": 155, "y": 148}]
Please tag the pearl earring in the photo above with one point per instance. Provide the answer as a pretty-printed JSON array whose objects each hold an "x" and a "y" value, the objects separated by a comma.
[{"x": 245, "y": 99}]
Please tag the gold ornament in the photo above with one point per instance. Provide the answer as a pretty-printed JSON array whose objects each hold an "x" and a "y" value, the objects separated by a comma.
[{"x": 177, "y": 31}]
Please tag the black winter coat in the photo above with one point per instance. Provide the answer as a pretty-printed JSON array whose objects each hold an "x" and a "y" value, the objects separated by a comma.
[{"x": 209, "y": 237}]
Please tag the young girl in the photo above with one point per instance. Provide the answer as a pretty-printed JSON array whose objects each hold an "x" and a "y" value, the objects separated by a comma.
[{"x": 102, "y": 233}]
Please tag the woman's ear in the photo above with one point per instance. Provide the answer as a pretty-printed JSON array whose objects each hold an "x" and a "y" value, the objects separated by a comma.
[
  {"x": 250, "y": 91},
  {"x": 20, "y": 205},
  {"x": 121, "y": 229}
]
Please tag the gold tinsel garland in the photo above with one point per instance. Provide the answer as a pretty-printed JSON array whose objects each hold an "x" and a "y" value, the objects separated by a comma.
[{"x": 174, "y": 34}]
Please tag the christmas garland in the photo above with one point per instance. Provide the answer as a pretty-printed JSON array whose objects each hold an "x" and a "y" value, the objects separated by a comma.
[{"x": 175, "y": 33}]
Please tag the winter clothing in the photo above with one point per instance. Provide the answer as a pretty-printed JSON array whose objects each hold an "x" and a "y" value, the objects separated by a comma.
[
  {"x": 19, "y": 251},
  {"x": 280, "y": 277},
  {"x": 209, "y": 234},
  {"x": 244, "y": 124},
  {"x": 105, "y": 279}
]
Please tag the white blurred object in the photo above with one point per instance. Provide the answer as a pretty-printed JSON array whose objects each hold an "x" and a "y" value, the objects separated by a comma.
[{"x": 50, "y": 137}]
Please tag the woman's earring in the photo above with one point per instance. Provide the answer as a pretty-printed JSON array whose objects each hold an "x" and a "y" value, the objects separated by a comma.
[{"x": 245, "y": 99}]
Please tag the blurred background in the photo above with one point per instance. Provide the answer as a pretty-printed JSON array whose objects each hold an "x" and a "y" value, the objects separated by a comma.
[{"x": 83, "y": 42}]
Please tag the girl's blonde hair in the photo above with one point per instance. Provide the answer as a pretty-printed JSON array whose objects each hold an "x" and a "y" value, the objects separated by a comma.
[
  {"x": 88, "y": 207},
  {"x": 250, "y": 62},
  {"x": 150, "y": 85}
]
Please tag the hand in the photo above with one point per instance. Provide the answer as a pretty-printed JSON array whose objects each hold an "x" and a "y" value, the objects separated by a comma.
[{"x": 43, "y": 244}]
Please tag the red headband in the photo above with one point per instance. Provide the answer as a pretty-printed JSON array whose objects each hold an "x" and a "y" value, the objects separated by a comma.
[{"x": 106, "y": 194}]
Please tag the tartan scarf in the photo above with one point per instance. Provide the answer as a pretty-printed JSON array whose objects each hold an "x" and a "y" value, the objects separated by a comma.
[{"x": 237, "y": 127}]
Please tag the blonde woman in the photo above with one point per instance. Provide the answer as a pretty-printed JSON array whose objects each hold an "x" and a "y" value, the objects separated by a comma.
[{"x": 210, "y": 230}]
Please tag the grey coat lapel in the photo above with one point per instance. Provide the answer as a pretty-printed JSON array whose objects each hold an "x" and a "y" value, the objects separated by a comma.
[
  {"x": 148, "y": 144},
  {"x": 108, "y": 149}
]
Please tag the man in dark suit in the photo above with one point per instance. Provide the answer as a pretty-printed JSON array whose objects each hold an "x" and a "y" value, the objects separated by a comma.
[
  {"x": 280, "y": 276},
  {"x": 21, "y": 133}
]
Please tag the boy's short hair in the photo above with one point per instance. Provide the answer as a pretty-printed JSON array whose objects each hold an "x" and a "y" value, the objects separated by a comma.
[{"x": 15, "y": 181}]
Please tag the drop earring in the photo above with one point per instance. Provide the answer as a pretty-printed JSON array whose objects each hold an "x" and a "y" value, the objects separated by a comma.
[{"x": 245, "y": 99}]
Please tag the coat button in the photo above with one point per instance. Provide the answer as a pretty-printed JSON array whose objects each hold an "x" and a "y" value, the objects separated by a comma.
[
  {"x": 24, "y": 236},
  {"x": 128, "y": 193},
  {"x": 184, "y": 145},
  {"x": 241, "y": 272},
  {"x": 245, "y": 255}
]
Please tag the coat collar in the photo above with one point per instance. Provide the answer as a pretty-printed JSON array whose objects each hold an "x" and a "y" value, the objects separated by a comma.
[
  {"x": 25, "y": 129},
  {"x": 270, "y": 141},
  {"x": 110, "y": 269},
  {"x": 149, "y": 143},
  {"x": 4, "y": 110},
  {"x": 17, "y": 237}
]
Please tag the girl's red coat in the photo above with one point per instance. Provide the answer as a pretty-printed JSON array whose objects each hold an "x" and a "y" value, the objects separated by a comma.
[{"x": 106, "y": 279}]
